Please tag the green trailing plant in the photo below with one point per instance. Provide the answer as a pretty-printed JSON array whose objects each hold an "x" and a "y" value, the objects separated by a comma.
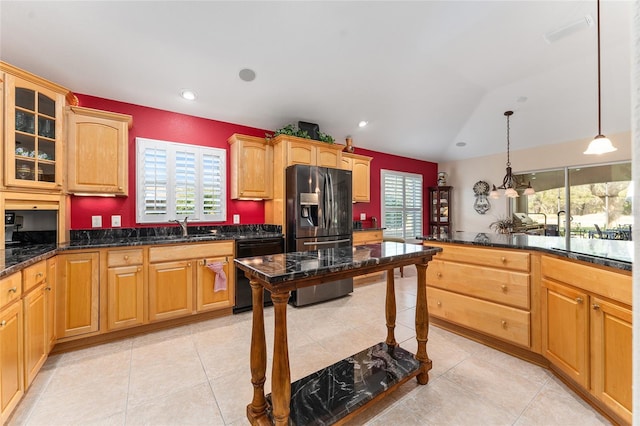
[
  {"x": 292, "y": 130},
  {"x": 502, "y": 225}
]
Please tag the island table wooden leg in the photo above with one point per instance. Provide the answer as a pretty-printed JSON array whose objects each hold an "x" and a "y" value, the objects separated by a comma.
[
  {"x": 257, "y": 410},
  {"x": 390, "y": 309},
  {"x": 281, "y": 375},
  {"x": 422, "y": 324}
]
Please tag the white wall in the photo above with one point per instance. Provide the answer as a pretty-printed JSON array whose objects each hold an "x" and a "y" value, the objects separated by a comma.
[{"x": 463, "y": 174}]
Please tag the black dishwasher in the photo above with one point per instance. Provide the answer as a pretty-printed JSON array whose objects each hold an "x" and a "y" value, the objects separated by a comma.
[{"x": 250, "y": 248}]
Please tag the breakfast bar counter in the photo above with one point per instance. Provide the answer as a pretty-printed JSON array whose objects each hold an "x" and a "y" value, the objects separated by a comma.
[{"x": 364, "y": 377}]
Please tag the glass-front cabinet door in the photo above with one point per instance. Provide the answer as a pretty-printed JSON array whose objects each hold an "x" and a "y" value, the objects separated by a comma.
[
  {"x": 34, "y": 118},
  {"x": 440, "y": 211}
]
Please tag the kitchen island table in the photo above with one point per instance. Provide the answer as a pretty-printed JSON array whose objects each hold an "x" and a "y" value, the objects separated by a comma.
[{"x": 335, "y": 393}]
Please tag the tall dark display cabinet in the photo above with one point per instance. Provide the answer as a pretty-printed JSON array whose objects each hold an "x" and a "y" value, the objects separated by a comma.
[{"x": 440, "y": 211}]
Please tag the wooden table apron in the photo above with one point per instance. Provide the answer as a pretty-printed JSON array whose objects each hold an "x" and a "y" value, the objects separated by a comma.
[{"x": 281, "y": 376}]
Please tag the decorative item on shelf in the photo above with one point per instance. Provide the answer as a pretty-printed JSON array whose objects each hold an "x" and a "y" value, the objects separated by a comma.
[
  {"x": 349, "y": 146},
  {"x": 24, "y": 172},
  {"x": 482, "y": 238},
  {"x": 292, "y": 130},
  {"x": 442, "y": 178},
  {"x": 503, "y": 225},
  {"x": 510, "y": 183},
  {"x": 600, "y": 144},
  {"x": 481, "y": 190}
]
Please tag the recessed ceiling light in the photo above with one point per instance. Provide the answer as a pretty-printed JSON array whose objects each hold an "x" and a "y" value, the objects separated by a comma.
[
  {"x": 187, "y": 94},
  {"x": 247, "y": 74},
  {"x": 461, "y": 144},
  {"x": 363, "y": 123}
]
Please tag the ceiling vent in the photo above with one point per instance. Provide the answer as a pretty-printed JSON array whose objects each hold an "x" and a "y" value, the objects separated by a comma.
[{"x": 568, "y": 29}]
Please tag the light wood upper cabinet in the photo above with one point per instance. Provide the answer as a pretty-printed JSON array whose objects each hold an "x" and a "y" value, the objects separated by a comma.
[
  {"x": 97, "y": 151},
  {"x": 33, "y": 130},
  {"x": 360, "y": 167},
  {"x": 77, "y": 294},
  {"x": 251, "y": 167}
]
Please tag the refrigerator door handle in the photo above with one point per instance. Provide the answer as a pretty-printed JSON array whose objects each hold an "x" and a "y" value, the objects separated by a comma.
[{"x": 320, "y": 243}]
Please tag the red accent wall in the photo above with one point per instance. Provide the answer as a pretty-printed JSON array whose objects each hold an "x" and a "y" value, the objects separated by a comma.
[{"x": 170, "y": 126}]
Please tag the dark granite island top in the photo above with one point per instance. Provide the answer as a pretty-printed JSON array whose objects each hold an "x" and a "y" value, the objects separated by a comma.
[
  {"x": 365, "y": 377},
  {"x": 612, "y": 253}
]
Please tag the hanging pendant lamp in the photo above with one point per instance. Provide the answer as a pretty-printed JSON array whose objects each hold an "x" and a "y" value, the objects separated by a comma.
[
  {"x": 509, "y": 182},
  {"x": 600, "y": 144}
]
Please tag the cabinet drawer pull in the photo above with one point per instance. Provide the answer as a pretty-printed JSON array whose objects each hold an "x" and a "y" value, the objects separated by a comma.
[
  {"x": 126, "y": 257},
  {"x": 439, "y": 274},
  {"x": 596, "y": 306},
  {"x": 579, "y": 300},
  {"x": 39, "y": 274},
  {"x": 504, "y": 324},
  {"x": 504, "y": 288},
  {"x": 13, "y": 290},
  {"x": 3, "y": 323},
  {"x": 503, "y": 259}
]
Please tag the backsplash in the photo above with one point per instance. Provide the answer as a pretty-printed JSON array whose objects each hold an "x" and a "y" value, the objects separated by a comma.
[{"x": 166, "y": 231}]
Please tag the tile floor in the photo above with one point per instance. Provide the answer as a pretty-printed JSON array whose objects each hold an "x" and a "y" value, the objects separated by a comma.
[{"x": 199, "y": 374}]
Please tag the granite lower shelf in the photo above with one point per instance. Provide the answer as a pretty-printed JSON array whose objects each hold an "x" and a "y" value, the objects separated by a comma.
[{"x": 339, "y": 390}]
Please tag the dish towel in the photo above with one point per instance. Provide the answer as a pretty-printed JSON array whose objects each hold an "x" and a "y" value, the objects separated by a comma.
[{"x": 220, "y": 283}]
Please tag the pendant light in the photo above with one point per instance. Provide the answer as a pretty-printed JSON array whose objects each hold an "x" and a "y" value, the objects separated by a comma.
[
  {"x": 600, "y": 144},
  {"x": 509, "y": 183}
]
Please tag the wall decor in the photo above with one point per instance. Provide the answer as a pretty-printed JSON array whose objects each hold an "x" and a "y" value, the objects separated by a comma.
[{"x": 481, "y": 190}]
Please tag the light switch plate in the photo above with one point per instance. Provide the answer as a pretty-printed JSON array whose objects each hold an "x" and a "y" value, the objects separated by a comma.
[
  {"x": 363, "y": 216},
  {"x": 96, "y": 221},
  {"x": 236, "y": 219},
  {"x": 116, "y": 221}
]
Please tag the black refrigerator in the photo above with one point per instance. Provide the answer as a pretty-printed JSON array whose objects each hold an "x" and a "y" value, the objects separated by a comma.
[{"x": 319, "y": 219}]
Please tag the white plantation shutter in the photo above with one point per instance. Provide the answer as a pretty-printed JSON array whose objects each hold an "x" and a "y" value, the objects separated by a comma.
[
  {"x": 401, "y": 204},
  {"x": 177, "y": 180}
]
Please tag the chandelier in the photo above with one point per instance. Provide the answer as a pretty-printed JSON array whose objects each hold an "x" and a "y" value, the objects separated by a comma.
[{"x": 510, "y": 183}]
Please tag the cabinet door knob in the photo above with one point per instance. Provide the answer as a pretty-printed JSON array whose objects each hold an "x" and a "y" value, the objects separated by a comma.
[
  {"x": 39, "y": 274},
  {"x": 126, "y": 257},
  {"x": 504, "y": 324},
  {"x": 579, "y": 300},
  {"x": 439, "y": 303},
  {"x": 504, "y": 288},
  {"x": 3, "y": 323},
  {"x": 189, "y": 264},
  {"x": 120, "y": 188},
  {"x": 439, "y": 274},
  {"x": 139, "y": 269},
  {"x": 596, "y": 306},
  {"x": 48, "y": 288},
  {"x": 13, "y": 290}
]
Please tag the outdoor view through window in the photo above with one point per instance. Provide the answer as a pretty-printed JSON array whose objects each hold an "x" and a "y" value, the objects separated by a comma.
[{"x": 598, "y": 204}]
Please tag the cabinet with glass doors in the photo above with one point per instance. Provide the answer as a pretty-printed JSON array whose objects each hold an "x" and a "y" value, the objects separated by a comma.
[{"x": 440, "y": 211}]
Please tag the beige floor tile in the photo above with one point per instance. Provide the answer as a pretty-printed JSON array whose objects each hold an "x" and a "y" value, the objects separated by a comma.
[
  {"x": 123, "y": 345},
  {"x": 160, "y": 335},
  {"x": 192, "y": 406},
  {"x": 233, "y": 393},
  {"x": 162, "y": 367}
]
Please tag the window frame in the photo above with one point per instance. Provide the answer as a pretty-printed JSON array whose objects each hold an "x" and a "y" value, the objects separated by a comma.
[
  {"x": 171, "y": 148},
  {"x": 417, "y": 211}
]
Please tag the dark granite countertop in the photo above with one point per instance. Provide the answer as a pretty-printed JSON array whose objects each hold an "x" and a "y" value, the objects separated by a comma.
[
  {"x": 279, "y": 268},
  {"x": 613, "y": 253},
  {"x": 17, "y": 258}
]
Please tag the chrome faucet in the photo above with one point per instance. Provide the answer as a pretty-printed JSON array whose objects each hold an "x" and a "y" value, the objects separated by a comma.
[{"x": 183, "y": 225}]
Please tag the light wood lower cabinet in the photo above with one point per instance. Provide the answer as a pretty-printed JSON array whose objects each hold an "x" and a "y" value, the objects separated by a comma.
[
  {"x": 211, "y": 291},
  {"x": 35, "y": 332},
  {"x": 50, "y": 303},
  {"x": 611, "y": 355},
  {"x": 372, "y": 236},
  {"x": 170, "y": 289},
  {"x": 77, "y": 294},
  {"x": 11, "y": 358},
  {"x": 125, "y": 288},
  {"x": 565, "y": 330}
]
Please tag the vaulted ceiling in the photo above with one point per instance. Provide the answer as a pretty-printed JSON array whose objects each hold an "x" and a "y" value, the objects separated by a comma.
[{"x": 425, "y": 75}]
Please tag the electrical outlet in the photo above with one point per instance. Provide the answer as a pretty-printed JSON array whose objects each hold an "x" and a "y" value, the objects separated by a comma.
[
  {"x": 116, "y": 221},
  {"x": 363, "y": 216},
  {"x": 236, "y": 219},
  {"x": 96, "y": 221}
]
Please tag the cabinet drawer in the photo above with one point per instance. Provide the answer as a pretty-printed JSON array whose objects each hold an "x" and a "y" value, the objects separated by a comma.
[
  {"x": 367, "y": 237},
  {"x": 34, "y": 275},
  {"x": 614, "y": 285},
  {"x": 124, "y": 257},
  {"x": 190, "y": 251},
  {"x": 505, "y": 287},
  {"x": 497, "y": 258},
  {"x": 10, "y": 289},
  {"x": 503, "y": 322}
]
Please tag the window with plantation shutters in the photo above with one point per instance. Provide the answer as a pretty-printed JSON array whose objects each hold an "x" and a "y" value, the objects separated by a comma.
[
  {"x": 175, "y": 180},
  {"x": 401, "y": 204}
]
